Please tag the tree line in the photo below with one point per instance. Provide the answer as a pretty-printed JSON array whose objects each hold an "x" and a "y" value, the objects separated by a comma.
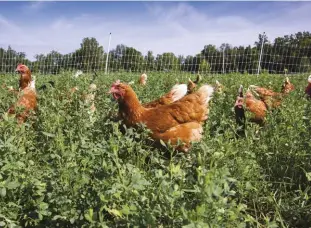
[{"x": 288, "y": 54}]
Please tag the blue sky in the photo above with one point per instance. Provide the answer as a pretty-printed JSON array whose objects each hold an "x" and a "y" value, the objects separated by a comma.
[{"x": 179, "y": 27}]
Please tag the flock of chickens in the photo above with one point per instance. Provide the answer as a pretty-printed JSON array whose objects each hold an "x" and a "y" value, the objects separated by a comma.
[
  {"x": 176, "y": 118},
  {"x": 27, "y": 95}
]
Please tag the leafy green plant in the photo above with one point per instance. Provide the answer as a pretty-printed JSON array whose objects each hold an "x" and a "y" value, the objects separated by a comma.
[{"x": 63, "y": 169}]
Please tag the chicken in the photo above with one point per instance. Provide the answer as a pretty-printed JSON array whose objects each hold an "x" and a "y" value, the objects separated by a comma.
[
  {"x": 261, "y": 91},
  {"x": 143, "y": 79},
  {"x": 25, "y": 76},
  {"x": 24, "y": 80},
  {"x": 181, "y": 120},
  {"x": 192, "y": 85},
  {"x": 256, "y": 107},
  {"x": 90, "y": 97},
  {"x": 176, "y": 93},
  {"x": 87, "y": 98},
  {"x": 287, "y": 87},
  {"x": 308, "y": 88},
  {"x": 219, "y": 87},
  {"x": 27, "y": 97},
  {"x": 269, "y": 97},
  {"x": 240, "y": 112}
]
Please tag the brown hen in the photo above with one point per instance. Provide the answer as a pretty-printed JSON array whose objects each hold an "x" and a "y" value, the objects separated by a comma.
[
  {"x": 181, "y": 120},
  {"x": 287, "y": 87},
  {"x": 143, "y": 79},
  {"x": 27, "y": 97},
  {"x": 256, "y": 107},
  {"x": 269, "y": 97},
  {"x": 192, "y": 85}
]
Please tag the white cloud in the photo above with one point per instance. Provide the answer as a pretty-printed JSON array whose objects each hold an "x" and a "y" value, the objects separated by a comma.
[{"x": 181, "y": 29}]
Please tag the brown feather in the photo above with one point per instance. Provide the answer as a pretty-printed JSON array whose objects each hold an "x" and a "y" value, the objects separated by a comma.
[{"x": 167, "y": 121}]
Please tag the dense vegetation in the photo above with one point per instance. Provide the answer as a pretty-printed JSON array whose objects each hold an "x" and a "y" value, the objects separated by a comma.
[
  {"x": 289, "y": 54},
  {"x": 67, "y": 170}
]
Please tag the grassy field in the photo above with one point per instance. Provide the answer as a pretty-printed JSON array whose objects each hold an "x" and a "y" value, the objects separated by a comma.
[{"x": 67, "y": 170}]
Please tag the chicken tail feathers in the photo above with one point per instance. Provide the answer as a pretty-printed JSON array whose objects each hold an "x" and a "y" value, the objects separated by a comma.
[
  {"x": 241, "y": 91},
  {"x": 207, "y": 92},
  {"x": 178, "y": 91},
  {"x": 286, "y": 80}
]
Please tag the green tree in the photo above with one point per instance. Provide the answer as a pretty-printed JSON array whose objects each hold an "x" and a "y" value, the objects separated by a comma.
[
  {"x": 261, "y": 38},
  {"x": 305, "y": 65},
  {"x": 188, "y": 64},
  {"x": 49, "y": 64},
  {"x": 115, "y": 57},
  {"x": 150, "y": 61},
  {"x": 167, "y": 61},
  {"x": 132, "y": 60},
  {"x": 10, "y": 58},
  {"x": 90, "y": 56},
  {"x": 53, "y": 62},
  {"x": 204, "y": 67}
]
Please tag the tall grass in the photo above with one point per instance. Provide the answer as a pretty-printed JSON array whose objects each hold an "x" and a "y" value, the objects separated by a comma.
[{"x": 63, "y": 169}]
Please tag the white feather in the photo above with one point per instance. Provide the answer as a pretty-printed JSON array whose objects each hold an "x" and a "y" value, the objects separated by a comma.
[
  {"x": 309, "y": 79},
  {"x": 196, "y": 134},
  {"x": 207, "y": 91},
  {"x": 32, "y": 83},
  {"x": 241, "y": 89},
  {"x": 287, "y": 79},
  {"x": 179, "y": 91}
]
